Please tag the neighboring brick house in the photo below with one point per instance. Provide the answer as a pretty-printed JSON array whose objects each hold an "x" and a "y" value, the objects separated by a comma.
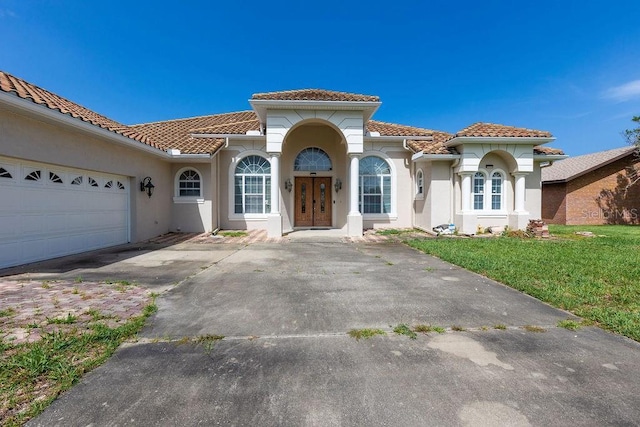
[{"x": 597, "y": 188}]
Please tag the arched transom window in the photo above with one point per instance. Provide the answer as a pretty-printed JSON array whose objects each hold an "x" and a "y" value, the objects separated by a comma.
[
  {"x": 189, "y": 184},
  {"x": 375, "y": 186},
  {"x": 252, "y": 186},
  {"x": 312, "y": 159}
]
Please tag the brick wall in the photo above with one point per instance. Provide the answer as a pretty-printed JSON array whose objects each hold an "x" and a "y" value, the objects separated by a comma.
[
  {"x": 554, "y": 207},
  {"x": 605, "y": 185}
]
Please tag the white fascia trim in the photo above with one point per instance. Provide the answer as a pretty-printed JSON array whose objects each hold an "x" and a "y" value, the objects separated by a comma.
[
  {"x": 191, "y": 158},
  {"x": 497, "y": 140},
  {"x": 47, "y": 114},
  {"x": 423, "y": 156},
  {"x": 548, "y": 157}
]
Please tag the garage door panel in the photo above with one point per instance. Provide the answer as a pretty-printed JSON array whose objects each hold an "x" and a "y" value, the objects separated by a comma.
[{"x": 44, "y": 219}]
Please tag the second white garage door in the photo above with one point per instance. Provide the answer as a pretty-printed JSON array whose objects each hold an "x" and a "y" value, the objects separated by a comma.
[{"x": 48, "y": 211}]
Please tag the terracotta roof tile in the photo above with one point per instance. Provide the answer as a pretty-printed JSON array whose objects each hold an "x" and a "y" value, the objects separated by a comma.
[
  {"x": 500, "y": 131},
  {"x": 177, "y": 133},
  {"x": 567, "y": 169},
  {"x": 37, "y": 95},
  {"x": 435, "y": 146},
  {"x": 314, "y": 95},
  {"x": 547, "y": 150}
]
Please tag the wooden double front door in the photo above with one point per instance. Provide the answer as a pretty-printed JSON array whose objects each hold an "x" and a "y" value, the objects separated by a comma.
[{"x": 313, "y": 201}]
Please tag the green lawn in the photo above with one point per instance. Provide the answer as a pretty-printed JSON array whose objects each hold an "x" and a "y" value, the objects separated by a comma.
[{"x": 597, "y": 278}]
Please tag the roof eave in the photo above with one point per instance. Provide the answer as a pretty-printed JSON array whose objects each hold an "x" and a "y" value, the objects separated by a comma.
[
  {"x": 549, "y": 157},
  {"x": 261, "y": 106},
  {"x": 519, "y": 140},
  {"x": 229, "y": 135},
  {"x": 591, "y": 169},
  {"x": 426, "y": 156},
  {"x": 47, "y": 114}
]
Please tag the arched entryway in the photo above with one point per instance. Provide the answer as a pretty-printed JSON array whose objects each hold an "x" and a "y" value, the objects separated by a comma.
[{"x": 314, "y": 162}]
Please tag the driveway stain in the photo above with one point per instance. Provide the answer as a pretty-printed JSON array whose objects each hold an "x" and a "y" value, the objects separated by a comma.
[
  {"x": 487, "y": 413},
  {"x": 467, "y": 348}
]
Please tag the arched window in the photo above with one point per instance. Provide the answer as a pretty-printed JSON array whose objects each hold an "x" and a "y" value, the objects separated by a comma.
[
  {"x": 312, "y": 159},
  {"x": 496, "y": 191},
  {"x": 478, "y": 191},
  {"x": 252, "y": 186},
  {"x": 419, "y": 183},
  {"x": 375, "y": 186},
  {"x": 189, "y": 184}
]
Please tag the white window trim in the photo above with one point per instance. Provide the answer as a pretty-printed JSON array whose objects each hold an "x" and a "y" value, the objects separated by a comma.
[
  {"x": 233, "y": 216},
  {"x": 486, "y": 210},
  {"x": 419, "y": 194},
  {"x": 393, "y": 215},
  {"x": 177, "y": 198}
]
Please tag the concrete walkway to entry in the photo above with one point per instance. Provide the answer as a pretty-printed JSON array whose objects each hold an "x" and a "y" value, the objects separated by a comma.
[{"x": 286, "y": 359}]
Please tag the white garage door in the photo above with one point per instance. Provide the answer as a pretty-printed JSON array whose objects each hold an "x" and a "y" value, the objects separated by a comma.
[{"x": 47, "y": 211}]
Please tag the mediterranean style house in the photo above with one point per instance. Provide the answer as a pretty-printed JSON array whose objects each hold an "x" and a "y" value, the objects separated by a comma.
[
  {"x": 72, "y": 180},
  {"x": 592, "y": 189}
]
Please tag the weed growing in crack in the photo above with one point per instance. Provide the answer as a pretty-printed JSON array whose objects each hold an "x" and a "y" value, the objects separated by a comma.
[
  {"x": 532, "y": 328},
  {"x": 500, "y": 326},
  {"x": 569, "y": 324},
  {"x": 404, "y": 329},
  {"x": 365, "y": 333}
]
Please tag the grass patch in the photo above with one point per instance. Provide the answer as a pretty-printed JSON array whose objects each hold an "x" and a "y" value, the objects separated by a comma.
[
  {"x": 532, "y": 328},
  {"x": 233, "y": 233},
  {"x": 500, "y": 327},
  {"x": 404, "y": 329},
  {"x": 596, "y": 278},
  {"x": 569, "y": 324},
  {"x": 68, "y": 320},
  {"x": 390, "y": 232},
  {"x": 8, "y": 312},
  {"x": 34, "y": 374},
  {"x": 366, "y": 333}
]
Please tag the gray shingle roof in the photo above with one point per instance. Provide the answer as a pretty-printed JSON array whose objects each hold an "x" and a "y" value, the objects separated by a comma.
[{"x": 568, "y": 169}]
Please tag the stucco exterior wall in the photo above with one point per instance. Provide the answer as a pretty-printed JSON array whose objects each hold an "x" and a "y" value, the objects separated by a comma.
[
  {"x": 440, "y": 194},
  {"x": 189, "y": 214},
  {"x": 25, "y": 138},
  {"x": 533, "y": 193}
]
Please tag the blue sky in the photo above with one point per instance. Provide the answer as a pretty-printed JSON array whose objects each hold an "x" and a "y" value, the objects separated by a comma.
[{"x": 569, "y": 67}]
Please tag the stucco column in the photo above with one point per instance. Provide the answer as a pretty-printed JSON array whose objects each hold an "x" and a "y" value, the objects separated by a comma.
[
  {"x": 354, "y": 219},
  {"x": 519, "y": 192},
  {"x": 275, "y": 183},
  {"x": 465, "y": 189},
  {"x": 274, "y": 219},
  {"x": 354, "y": 184}
]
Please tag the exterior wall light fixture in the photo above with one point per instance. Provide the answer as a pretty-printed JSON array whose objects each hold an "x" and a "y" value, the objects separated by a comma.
[
  {"x": 146, "y": 186},
  {"x": 288, "y": 185},
  {"x": 338, "y": 185}
]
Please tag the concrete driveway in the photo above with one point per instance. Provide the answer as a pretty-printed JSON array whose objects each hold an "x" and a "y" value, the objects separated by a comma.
[{"x": 284, "y": 310}]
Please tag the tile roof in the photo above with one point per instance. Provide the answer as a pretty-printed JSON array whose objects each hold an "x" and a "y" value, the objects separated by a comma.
[
  {"x": 177, "y": 133},
  {"x": 314, "y": 95},
  {"x": 500, "y": 131},
  {"x": 568, "y": 169},
  {"x": 37, "y": 95},
  {"x": 435, "y": 146}
]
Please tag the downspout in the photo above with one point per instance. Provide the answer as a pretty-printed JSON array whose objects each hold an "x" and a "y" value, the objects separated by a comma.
[
  {"x": 413, "y": 185},
  {"x": 452, "y": 176}
]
